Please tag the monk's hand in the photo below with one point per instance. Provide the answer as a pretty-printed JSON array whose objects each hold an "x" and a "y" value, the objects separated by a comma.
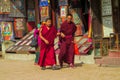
[
  {"x": 62, "y": 35},
  {"x": 58, "y": 33},
  {"x": 46, "y": 41}
]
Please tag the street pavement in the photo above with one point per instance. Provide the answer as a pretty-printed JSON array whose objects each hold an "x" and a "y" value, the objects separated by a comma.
[{"x": 26, "y": 70}]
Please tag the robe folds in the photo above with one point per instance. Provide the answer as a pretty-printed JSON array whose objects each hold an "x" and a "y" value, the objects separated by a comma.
[
  {"x": 67, "y": 43},
  {"x": 47, "y": 52}
]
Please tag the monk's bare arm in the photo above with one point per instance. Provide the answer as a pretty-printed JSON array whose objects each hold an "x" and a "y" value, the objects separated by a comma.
[{"x": 46, "y": 41}]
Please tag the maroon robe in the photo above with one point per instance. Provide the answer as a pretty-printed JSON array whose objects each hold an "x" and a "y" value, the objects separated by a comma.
[
  {"x": 67, "y": 44},
  {"x": 47, "y": 53}
]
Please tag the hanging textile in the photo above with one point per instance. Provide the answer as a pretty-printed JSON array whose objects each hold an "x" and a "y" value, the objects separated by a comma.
[
  {"x": 78, "y": 22},
  {"x": 6, "y": 30},
  {"x": 44, "y": 12},
  {"x": 31, "y": 15},
  {"x": 19, "y": 26}
]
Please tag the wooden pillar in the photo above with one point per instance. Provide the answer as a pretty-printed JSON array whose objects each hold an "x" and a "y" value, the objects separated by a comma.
[
  {"x": 96, "y": 19},
  {"x": 37, "y": 19},
  {"x": 53, "y": 12}
]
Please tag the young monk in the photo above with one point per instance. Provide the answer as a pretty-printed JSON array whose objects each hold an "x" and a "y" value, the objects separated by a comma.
[
  {"x": 67, "y": 32},
  {"x": 47, "y": 52}
]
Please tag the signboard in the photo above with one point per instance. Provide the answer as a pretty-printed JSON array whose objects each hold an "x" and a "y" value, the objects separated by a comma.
[
  {"x": 17, "y": 8},
  {"x": 43, "y": 3},
  {"x": 4, "y": 6},
  {"x": 107, "y": 18},
  {"x": 106, "y": 7},
  {"x": 107, "y": 26},
  {"x": 6, "y": 30}
]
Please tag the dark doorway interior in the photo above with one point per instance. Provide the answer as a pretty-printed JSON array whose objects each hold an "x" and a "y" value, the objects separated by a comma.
[{"x": 82, "y": 8}]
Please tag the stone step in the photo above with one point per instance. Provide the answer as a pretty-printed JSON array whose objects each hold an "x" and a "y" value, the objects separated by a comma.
[
  {"x": 114, "y": 53},
  {"x": 87, "y": 59},
  {"x": 108, "y": 61}
]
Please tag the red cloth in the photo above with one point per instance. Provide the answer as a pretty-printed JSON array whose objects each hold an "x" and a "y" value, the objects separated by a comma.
[
  {"x": 30, "y": 26},
  {"x": 76, "y": 49},
  {"x": 67, "y": 45},
  {"x": 47, "y": 52}
]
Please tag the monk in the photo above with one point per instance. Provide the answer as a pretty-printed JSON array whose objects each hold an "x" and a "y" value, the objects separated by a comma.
[
  {"x": 67, "y": 32},
  {"x": 47, "y": 53}
]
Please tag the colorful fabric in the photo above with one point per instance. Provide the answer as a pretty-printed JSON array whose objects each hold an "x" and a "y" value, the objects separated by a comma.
[
  {"x": 79, "y": 24},
  {"x": 76, "y": 19}
]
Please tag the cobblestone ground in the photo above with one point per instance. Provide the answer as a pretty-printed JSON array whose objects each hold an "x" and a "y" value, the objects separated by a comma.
[{"x": 25, "y": 70}]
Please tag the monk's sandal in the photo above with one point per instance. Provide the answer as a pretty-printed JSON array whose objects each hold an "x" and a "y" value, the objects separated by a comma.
[
  {"x": 55, "y": 68},
  {"x": 43, "y": 68}
]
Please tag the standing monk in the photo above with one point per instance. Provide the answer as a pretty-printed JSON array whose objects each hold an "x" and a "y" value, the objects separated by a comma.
[
  {"x": 67, "y": 31},
  {"x": 47, "y": 53}
]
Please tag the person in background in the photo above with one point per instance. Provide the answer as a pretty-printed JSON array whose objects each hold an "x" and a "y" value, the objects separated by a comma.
[
  {"x": 67, "y": 32},
  {"x": 47, "y": 57},
  {"x": 36, "y": 34}
]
